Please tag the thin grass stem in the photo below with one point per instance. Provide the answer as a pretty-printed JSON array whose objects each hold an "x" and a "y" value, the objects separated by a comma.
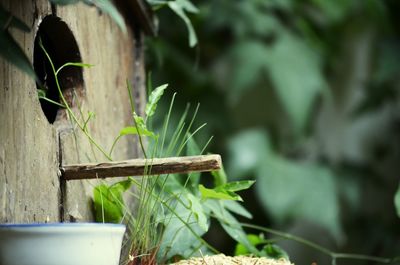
[{"x": 334, "y": 256}]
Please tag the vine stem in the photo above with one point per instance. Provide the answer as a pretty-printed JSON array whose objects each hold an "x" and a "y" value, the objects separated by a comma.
[
  {"x": 334, "y": 255},
  {"x": 71, "y": 113}
]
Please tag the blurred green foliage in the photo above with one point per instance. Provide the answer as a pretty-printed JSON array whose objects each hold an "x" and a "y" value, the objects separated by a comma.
[
  {"x": 13, "y": 53},
  {"x": 268, "y": 249},
  {"x": 9, "y": 48},
  {"x": 302, "y": 96}
]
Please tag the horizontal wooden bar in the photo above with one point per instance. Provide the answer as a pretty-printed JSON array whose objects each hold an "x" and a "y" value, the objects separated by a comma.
[{"x": 141, "y": 167}]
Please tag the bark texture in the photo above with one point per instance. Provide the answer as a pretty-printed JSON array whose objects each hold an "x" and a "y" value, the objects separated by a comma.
[{"x": 142, "y": 167}]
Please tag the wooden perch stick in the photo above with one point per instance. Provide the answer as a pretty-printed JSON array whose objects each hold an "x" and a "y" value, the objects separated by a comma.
[{"x": 138, "y": 167}]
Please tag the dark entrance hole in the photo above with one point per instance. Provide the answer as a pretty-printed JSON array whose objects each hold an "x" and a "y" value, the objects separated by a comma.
[{"x": 62, "y": 48}]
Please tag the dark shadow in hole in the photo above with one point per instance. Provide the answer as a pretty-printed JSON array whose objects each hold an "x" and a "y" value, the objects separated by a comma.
[{"x": 61, "y": 46}]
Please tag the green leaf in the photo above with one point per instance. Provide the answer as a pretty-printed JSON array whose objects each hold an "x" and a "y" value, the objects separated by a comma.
[
  {"x": 108, "y": 202},
  {"x": 296, "y": 73},
  {"x": 105, "y": 6},
  {"x": 82, "y": 65},
  {"x": 140, "y": 128},
  {"x": 10, "y": 50},
  {"x": 139, "y": 121},
  {"x": 247, "y": 150},
  {"x": 153, "y": 100},
  {"x": 274, "y": 252},
  {"x": 236, "y": 185},
  {"x": 121, "y": 186},
  {"x": 179, "y": 8},
  {"x": 220, "y": 177},
  {"x": 41, "y": 93},
  {"x": 108, "y": 7},
  {"x": 188, "y": 6},
  {"x": 226, "y": 191},
  {"x": 237, "y": 208},
  {"x": 177, "y": 237},
  {"x": 105, "y": 209},
  {"x": 334, "y": 11},
  {"x": 253, "y": 58},
  {"x": 218, "y": 194},
  {"x": 7, "y": 18},
  {"x": 269, "y": 250},
  {"x": 397, "y": 201},
  {"x": 198, "y": 211},
  {"x": 241, "y": 249},
  {"x": 293, "y": 67},
  {"x": 293, "y": 190},
  {"x": 157, "y": 4},
  {"x": 133, "y": 130},
  {"x": 229, "y": 223}
]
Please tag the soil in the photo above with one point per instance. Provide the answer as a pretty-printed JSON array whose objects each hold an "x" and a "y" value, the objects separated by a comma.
[{"x": 238, "y": 260}]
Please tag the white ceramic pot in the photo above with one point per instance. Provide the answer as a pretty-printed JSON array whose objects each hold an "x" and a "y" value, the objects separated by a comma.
[{"x": 61, "y": 244}]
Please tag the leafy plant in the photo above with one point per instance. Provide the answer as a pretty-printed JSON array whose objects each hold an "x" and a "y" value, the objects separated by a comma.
[
  {"x": 108, "y": 201},
  {"x": 171, "y": 211},
  {"x": 169, "y": 208}
]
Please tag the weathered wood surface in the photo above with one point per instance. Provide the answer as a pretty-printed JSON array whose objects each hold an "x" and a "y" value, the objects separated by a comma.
[
  {"x": 141, "y": 167},
  {"x": 31, "y": 149},
  {"x": 113, "y": 55},
  {"x": 29, "y": 189}
]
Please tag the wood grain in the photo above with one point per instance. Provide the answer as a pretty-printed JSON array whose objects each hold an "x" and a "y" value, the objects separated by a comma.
[
  {"x": 113, "y": 55},
  {"x": 28, "y": 146},
  {"x": 140, "y": 167},
  {"x": 32, "y": 149}
]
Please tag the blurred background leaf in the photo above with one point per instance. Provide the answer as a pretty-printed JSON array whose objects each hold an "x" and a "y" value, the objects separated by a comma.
[
  {"x": 302, "y": 96},
  {"x": 397, "y": 201},
  {"x": 12, "y": 52},
  {"x": 9, "y": 48},
  {"x": 297, "y": 191},
  {"x": 106, "y": 6}
]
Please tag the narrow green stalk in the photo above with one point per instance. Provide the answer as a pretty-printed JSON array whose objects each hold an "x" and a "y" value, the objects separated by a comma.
[
  {"x": 363, "y": 257},
  {"x": 165, "y": 126},
  {"x": 113, "y": 144},
  {"x": 128, "y": 84},
  {"x": 72, "y": 64},
  {"x": 188, "y": 129},
  {"x": 206, "y": 145},
  {"x": 85, "y": 126},
  {"x": 178, "y": 131},
  {"x": 321, "y": 249},
  {"x": 189, "y": 137},
  {"x": 53, "y": 102}
]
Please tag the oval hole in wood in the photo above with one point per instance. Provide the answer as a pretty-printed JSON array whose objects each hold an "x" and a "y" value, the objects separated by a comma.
[{"x": 62, "y": 48}]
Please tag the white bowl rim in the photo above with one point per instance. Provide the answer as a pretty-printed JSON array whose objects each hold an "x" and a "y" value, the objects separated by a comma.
[{"x": 91, "y": 224}]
